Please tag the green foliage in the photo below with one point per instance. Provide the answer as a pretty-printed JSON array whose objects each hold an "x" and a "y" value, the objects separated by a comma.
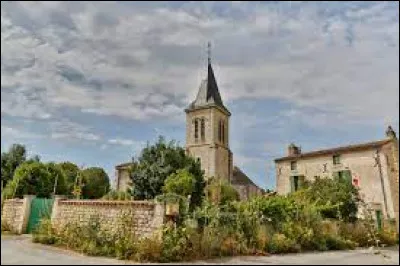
[
  {"x": 282, "y": 244},
  {"x": 335, "y": 192},
  {"x": 96, "y": 183},
  {"x": 182, "y": 183},
  {"x": 221, "y": 192},
  {"x": 223, "y": 226},
  {"x": 71, "y": 172},
  {"x": 149, "y": 250},
  {"x": 159, "y": 161},
  {"x": 7, "y": 228},
  {"x": 36, "y": 178},
  {"x": 117, "y": 195},
  {"x": 44, "y": 233},
  {"x": 10, "y": 160},
  {"x": 90, "y": 238}
]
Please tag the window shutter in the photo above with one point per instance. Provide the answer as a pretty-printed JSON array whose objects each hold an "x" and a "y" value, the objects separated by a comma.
[
  {"x": 292, "y": 184},
  {"x": 301, "y": 181},
  {"x": 347, "y": 176}
]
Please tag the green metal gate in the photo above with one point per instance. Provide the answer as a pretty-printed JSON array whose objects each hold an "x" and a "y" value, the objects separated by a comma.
[{"x": 40, "y": 209}]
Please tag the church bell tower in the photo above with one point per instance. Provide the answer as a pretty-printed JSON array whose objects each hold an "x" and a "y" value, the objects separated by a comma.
[{"x": 207, "y": 129}]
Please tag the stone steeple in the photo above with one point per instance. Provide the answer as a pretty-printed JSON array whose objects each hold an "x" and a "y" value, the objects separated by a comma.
[
  {"x": 207, "y": 129},
  {"x": 208, "y": 94}
]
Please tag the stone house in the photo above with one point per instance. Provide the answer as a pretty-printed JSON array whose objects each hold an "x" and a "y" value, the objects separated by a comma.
[{"x": 373, "y": 167}]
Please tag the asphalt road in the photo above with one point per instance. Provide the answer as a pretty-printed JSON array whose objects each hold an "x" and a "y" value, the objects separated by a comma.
[{"x": 20, "y": 250}]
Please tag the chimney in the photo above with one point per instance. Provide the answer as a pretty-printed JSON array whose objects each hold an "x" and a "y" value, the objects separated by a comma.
[
  {"x": 390, "y": 133},
  {"x": 293, "y": 150}
]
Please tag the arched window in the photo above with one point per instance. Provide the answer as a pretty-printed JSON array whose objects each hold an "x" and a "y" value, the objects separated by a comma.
[
  {"x": 223, "y": 132},
  {"x": 196, "y": 129},
  {"x": 220, "y": 130},
  {"x": 203, "y": 129}
]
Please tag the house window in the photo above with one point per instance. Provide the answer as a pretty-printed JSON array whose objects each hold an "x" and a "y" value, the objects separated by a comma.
[
  {"x": 196, "y": 129},
  {"x": 336, "y": 159},
  {"x": 203, "y": 129},
  {"x": 378, "y": 214},
  {"x": 293, "y": 165},
  {"x": 344, "y": 175},
  {"x": 296, "y": 182}
]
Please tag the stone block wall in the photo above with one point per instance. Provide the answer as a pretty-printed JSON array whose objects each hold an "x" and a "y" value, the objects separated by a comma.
[
  {"x": 12, "y": 215},
  {"x": 144, "y": 217}
]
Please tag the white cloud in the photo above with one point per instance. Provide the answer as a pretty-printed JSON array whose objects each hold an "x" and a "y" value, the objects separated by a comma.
[
  {"x": 333, "y": 65},
  {"x": 68, "y": 130},
  {"x": 124, "y": 142},
  {"x": 16, "y": 133}
]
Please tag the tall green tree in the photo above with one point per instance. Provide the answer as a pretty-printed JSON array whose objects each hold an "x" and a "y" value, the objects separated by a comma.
[
  {"x": 36, "y": 178},
  {"x": 182, "y": 183},
  {"x": 156, "y": 163},
  {"x": 71, "y": 172},
  {"x": 96, "y": 183},
  {"x": 10, "y": 160}
]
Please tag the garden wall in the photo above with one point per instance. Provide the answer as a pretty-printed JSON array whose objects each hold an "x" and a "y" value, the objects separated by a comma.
[
  {"x": 145, "y": 217},
  {"x": 15, "y": 214}
]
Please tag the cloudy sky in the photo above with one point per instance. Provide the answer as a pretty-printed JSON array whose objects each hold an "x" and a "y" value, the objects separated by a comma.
[{"x": 92, "y": 82}]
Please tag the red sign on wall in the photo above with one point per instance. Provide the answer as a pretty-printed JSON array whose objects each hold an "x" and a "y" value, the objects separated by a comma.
[{"x": 356, "y": 181}]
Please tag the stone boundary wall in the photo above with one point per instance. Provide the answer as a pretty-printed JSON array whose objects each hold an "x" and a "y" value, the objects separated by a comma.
[
  {"x": 15, "y": 214},
  {"x": 144, "y": 217}
]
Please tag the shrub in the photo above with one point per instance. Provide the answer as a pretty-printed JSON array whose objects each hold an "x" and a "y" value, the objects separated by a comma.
[
  {"x": 182, "y": 182},
  {"x": 220, "y": 192},
  {"x": 117, "y": 195},
  {"x": 360, "y": 233},
  {"x": 338, "y": 243},
  {"x": 149, "y": 250},
  {"x": 229, "y": 246},
  {"x": 6, "y": 227},
  {"x": 281, "y": 244},
  {"x": 334, "y": 192},
  {"x": 45, "y": 233},
  {"x": 388, "y": 236}
]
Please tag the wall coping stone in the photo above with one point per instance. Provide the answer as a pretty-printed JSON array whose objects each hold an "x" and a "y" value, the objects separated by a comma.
[{"x": 106, "y": 202}]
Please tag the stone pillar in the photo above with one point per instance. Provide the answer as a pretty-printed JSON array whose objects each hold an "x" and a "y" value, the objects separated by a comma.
[
  {"x": 26, "y": 212},
  {"x": 158, "y": 219},
  {"x": 54, "y": 212}
]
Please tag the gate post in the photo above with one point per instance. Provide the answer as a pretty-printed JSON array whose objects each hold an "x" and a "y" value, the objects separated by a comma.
[
  {"x": 54, "y": 212},
  {"x": 26, "y": 212}
]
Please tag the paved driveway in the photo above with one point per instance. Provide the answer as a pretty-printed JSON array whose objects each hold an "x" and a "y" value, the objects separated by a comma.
[{"x": 20, "y": 250}]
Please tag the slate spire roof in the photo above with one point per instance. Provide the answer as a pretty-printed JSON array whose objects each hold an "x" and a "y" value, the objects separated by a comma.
[{"x": 208, "y": 92}]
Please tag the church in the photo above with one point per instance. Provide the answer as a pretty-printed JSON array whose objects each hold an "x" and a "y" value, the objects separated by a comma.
[{"x": 207, "y": 140}]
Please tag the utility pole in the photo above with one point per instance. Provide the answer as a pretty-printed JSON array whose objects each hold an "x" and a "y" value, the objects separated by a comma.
[
  {"x": 78, "y": 183},
  {"x": 378, "y": 163},
  {"x": 55, "y": 186}
]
